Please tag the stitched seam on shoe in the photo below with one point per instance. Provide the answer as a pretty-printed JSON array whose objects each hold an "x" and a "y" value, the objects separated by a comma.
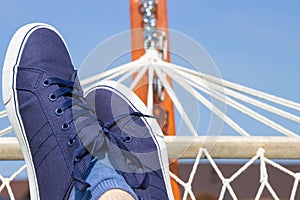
[
  {"x": 45, "y": 157},
  {"x": 37, "y": 132},
  {"x": 151, "y": 132},
  {"x": 42, "y": 145},
  {"x": 50, "y": 122},
  {"x": 27, "y": 69}
]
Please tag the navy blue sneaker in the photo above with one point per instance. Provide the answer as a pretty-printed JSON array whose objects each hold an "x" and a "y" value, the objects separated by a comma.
[
  {"x": 126, "y": 122},
  {"x": 45, "y": 105}
]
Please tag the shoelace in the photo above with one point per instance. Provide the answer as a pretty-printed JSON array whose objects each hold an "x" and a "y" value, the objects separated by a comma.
[
  {"x": 73, "y": 95},
  {"x": 133, "y": 169}
]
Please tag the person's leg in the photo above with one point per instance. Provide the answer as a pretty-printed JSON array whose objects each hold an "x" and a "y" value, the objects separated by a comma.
[
  {"x": 57, "y": 131},
  {"x": 116, "y": 194},
  {"x": 135, "y": 138}
]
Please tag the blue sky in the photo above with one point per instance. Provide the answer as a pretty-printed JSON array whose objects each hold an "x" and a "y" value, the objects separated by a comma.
[{"x": 254, "y": 43}]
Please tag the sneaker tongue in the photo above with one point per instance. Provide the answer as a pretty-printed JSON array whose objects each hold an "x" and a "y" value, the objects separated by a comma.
[
  {"x": 46, "y": 51},
  {"x": 90, "y": 134}
]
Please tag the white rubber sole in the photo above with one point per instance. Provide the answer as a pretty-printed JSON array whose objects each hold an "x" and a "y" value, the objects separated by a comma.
[
  {"x": 155, "y": 130},
  {"x": 9, "y": 74}
]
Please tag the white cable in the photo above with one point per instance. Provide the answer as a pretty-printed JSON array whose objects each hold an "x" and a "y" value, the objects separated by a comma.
[
  {"x": 140, "y": 74},
  {"x": 6, "y": 181},
  {"x": 244, "y": 89},
  {"x": 175, "y": 100},
  {"x": 294, "y": 189},
  {"x": 127, "y": 75},
  {"x": 262, "y": 105},
  {"x": 6, "y": 130},
  {"x": 283, "y": 169},
  {"x": 249, "y": 112},
  {"x": 242, "y": 97},
  {"x": 193, "y": 172},
  {"x": 176, "y": 178},
  {"x": 3, "y": 113},
  {"x": 133, "y": 64},
  {"x": 223, "y": 179},
  {"x": 212, "y": 91},
  {"x": 208, "y": 104},
  {"x": 150, "y": 89},
  {"x": 117, "y": 74},
  {"x": 226, "y": 182},
  {"x": 271, "y": 190},
  {"x": 263, "y": 175},
  {"x": 3, "y": 180},
  {"x": 243, "y": 168}
]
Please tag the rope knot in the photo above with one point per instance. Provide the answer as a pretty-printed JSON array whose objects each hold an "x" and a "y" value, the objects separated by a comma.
[
  {"x": 260, "y": 151},
  {"x": 226, "y": 181},
  {"x": 297, "y": 176},
  {"x": 264, "y": 178},
  {"x": 188, "y": 187}
]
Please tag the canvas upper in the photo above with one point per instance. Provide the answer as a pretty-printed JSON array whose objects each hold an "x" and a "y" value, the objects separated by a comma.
[
  {"x": 129, "y": 128},
  {"x": 48, "y": 111}
]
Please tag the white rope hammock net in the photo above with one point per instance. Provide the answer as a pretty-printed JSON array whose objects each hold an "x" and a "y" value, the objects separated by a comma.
[{"x": 197, "y": 83}]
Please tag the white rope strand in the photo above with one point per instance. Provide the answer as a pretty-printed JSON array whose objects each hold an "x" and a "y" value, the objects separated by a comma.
[
  {"x": 249, "y": 112},
  {"x": 260, "y": 155},
  {"x": 244, "y": 89},
  {"x": 177, "y": 179},
  {"x": 262, "y": 105},
  {"x": 193, "y": 172},
  {"x": 3, "y": 114},
  {"x": 242, "y": 97},
  {"x": 97, "y": 77},
  {"x": 127, "y": 75},
  {"x": 226, "y": 182},
  {"x": 283, "y": 169},
  {"x": 295, "y": 186},
  {"x": 150, "y": 89},
  {"x": 208, "y": 104},
  {"x": 2, "y": 186},
  {"x": 140, "y": 74},
  {"x": 229, "y": 101},
  {"x": 175, "y": 101},
  {"x": 6, "y": 182},
  {"x": 243, "y": 168},
  {"x": 118, "y": 73},
  {"x": 6, "y": 130}
]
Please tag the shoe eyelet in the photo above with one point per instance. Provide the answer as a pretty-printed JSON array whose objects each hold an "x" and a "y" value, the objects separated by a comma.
[
  {"x": 71, "y": 143},
  {"x": 77, "y": 159},
  {"x": 59, "y": 111},
  {"x": 46, "y": 82},
  {"x": 127, "y": 139},
  {"x": 52, "y": 97},
  {"x": 65, "y": 126}
]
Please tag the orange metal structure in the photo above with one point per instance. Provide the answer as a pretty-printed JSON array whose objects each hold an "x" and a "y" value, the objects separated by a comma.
[{"x": 137, "y": 42}]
